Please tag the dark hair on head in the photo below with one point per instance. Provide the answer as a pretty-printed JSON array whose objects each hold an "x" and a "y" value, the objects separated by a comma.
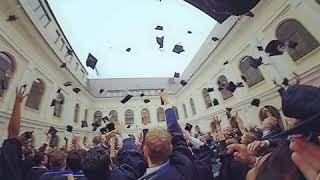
[
  {"x": 74, "y": 160},
  {"x": 274, "y": 112},
  {"x": 38, "y": 157},
  {"x": 57, "y": 159},
  {"x": 96, "y": 140},
  {"x": 96, "y": 163},
  {"x": 132, "y": 137},
  {"x": 279, "y": 166}
]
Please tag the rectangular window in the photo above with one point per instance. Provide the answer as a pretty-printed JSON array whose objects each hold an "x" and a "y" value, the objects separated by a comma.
[
  {"x": 57, "y": 37},
  {"x": 62, "y": 43},
  {"x": 40, "y": 12},
  {"x": 77, "y": 66}
]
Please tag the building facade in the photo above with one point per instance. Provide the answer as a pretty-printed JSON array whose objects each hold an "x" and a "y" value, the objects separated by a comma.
[{"x": 33, "y": 47}]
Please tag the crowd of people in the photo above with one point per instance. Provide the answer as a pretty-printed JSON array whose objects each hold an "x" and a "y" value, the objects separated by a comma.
[{"x": 234, "y": 153}]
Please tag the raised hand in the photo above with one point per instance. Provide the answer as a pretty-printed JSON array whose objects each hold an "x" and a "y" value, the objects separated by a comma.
[
  {"x": 241, "y": 154},
  {"x": 120, "y": 128},
  {"x": 20, "y": 94}
]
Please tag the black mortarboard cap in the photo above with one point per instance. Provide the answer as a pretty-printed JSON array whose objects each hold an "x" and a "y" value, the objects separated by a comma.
[
  {"x": 188, "y": 127},
  {"x": 281, "y": 91},
  {"x": 52, "y": 131},
  {"x": 12, "y": 18},
  {"x": 91, "y": 61},
  {"x": 144, "y": 132},
  {"x": 69, "y": 128},
  {"x": 210, "y": 89},
  {"x": 228, "y": 109},
  {"x": 146, "y": 101},
  {"x": 220, "y": 88},
  {"x": 76, "y": 90},
  {"x": 142, "y": 95},
  {"x": 128, "y": 126},
  {"x": 59, "y": 90},
  {"x": 126, "y": 99},
  {"x": 160, "y": 41},
  {"x": 255, "y": 63},
  {"x": 250, "y": 14},
  {"x": 110, "y": 127},
  {"x": 176, "y": 75},
  {"x": 53, "y": 102},
  {"x": 215, "y": 39},
  {"x": 178, "y": 49},
  {"x": 275, "y": 48},
  {"x": 255, "y": 102},
  {"x": 240, "y": 84},
  {"x": 260, "y": 48},
  {"x": 69, "y": 51},
  {"x": 225, "y": 63},
  {"x": 63, "y": 65},
  {"x": 84, "y": 124},
  {"x": 244, "y": 78},
  {"x": 292, "y": 44},
  {"x": 231, "y": 86},
  {"x": 128, "y": 49},
  {"x": 183, "y": 83},
  {"x": 104, "y": 130},
  {"x": 215, "y": 102},
  {"x": 228, "y": 112},
  {"x": 160, "y": 28},
  {"x": 105, "y": 119},
  {"x": 101, "y": 91},
  {"x": 285, "y": 82},
  {"x": 68, "y": 83},
  {"x": 189, "y": 32}
]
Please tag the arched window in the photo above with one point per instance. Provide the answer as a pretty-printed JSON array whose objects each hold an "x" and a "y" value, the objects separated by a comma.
[
  {"x": 129, "y": 117},
  {"x": 76, "y": 113},
  {"x": 6, "y": 71},
  {"x": 222, "y": 83},
  {"x": 185, "y": 111},
  {"x": 294, "y": 31},
  {"x": 97, "y": 118},
  {"x": 176, "y": 111},
  {"x": 193, "y": 107},
  {"x": 58, "y": 105},
  {"x": 145, "y": 116},
  {"x": 161, "y": 114},
  {"x": 253, "y": 75},
  {"x": 113, "y": 116},
  {"x": 206, "y": 97},
  {"x": 35, "y": 95}
]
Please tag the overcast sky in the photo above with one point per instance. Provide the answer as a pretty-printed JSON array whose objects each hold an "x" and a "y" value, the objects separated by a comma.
[{"x": 106, "y": 28}]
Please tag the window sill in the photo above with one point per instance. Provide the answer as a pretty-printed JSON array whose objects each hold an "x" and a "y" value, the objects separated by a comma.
[
  {"x": 31, "y": 109},
  {"x": 307, "y": 56}
]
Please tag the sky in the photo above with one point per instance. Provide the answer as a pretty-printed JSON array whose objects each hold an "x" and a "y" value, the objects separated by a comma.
[{"x": 106, "y": 28}]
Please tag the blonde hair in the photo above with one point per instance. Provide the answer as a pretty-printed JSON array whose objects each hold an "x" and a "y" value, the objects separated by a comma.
[{"x": 158, "y": 143}]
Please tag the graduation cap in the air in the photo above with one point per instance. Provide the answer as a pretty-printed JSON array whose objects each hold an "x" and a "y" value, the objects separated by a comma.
[
  {"x": 105, "y": 119},
  {"x": 146, "y": 101},
  {"x": 178, "y": 49},
  {"x": 160, "y": 28},
  {"x": 228, "y": 112},
  {"x": 231, "y": 86},
  {"x": 129, "y": 126},
  {"x": 69, "y": 128},
  {"x": 255, "y": 102},
  {"x": 76, "y": 90},
  {"x": 244, "y": 78},
  {"x": 52, "y": 131},
  {"x": 160, "y": 41},
  {"x": 101, "y": 91},
  {"x": 91, "y": 61},
  {"x": 176, "y": 75},
  {"x": 84, "y": 124},
  {"x": 12, "y": 18},
  {"x": 104, "y": 130},
  {"x": 126, "y": 99},
  {"x": 63, "y": 65},
  {"x": 255, "y": 63},
  {"x": 110, "y": 127},
  {"x": 69, "y": 51},
  {"x": 53, "y": 103},
  {"x": 68, "y": 83},
  {"x": 188, "y": 127},
  {"x": 189, "y": 32},
  {"x": 285, "y": 82},
  {"x": 142, "y": 95},
  {"x": 260, "y": 48},
  {"x": 215, "y": 102},
  {"x": 215, "y": 39},
  {"x": 302, "y": 102},
  {"x": 240, "y": 84},
  {"x": 183, "y": 83},
  {"x": 225, "y": 63},
  {"x": 210, "y": 89},
  {"x": 128, "y": 49},
  {"x": 59, "y": 90}
]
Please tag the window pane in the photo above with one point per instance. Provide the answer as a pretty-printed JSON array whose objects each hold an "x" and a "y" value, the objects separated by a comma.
[
  {"x": 113, "y": 116},
  {"x": 44, "y": 20},
  {"x": 161, "y": 115},
  {"x": 129, "y": 117},
  {"x": 34, "y": 4},
  {"x": 145, "y": 116},
  {"x": 193, "y": 107},
  {"x": 222, "y": 83},
  {"x": 185, "y": 111},
  {"x": 206, "y": 97},
  {"x": 35, "y": 95},
  {"x": 253, "y": 75}
]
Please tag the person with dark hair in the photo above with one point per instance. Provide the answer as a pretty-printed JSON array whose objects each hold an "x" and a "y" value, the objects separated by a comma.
[
  {"x": 97, "y": 161},
  {"x": 74, "y": 163},
  {"x": 57, "y": 163},
  {"x": 40, "y": 162},
  {"x": 11, "y": 162}
]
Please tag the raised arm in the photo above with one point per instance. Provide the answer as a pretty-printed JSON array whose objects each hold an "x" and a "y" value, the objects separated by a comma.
[
  {"x": 15, "y": 121},
  {"x": 240, "y": 124}
]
